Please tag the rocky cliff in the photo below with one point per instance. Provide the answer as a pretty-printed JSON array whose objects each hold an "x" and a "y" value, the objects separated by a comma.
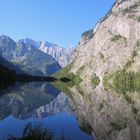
[
  {"x": 114, "y": 44},
  {"x": 61, "y": 54}
]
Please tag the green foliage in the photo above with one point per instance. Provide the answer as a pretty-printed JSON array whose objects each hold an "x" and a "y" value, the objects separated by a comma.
[
  {"x": 123, "y": 81},
  {"x": 132, "y": 8},
  {"x": 131, "y": 61},
  {"x": 128, "y": 64},
  {"x": 138, "y": 43},
  {"x": 117, "y": 37},
  {"x": 77, "y": 80},
  {"x": 106, "y": 79},
  {"x": 64, "y": 87},
  {"x": 138, "y": 18},
  {"x": 126, "y": 81},
  {"x": 95, "y": 80},
  {"x": 65, "y": 72},
  {"x": 80, "y": 70}
]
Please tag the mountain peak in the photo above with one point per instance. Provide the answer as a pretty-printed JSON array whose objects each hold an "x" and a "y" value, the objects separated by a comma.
[
  {"x": 6, "y": 38},
  {"x": 7, "y": 41},
  {"x": 45, "y": 43},
  {"x": 28, "y": 42}
]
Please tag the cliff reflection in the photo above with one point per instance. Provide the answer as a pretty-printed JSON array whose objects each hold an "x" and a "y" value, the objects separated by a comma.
[{"x": 108, "y": 115}]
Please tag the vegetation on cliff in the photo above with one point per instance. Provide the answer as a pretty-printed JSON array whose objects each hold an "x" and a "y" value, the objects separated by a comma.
[
  {"x": 66, "y": 73},
  {"x": 95, "y": 80}
]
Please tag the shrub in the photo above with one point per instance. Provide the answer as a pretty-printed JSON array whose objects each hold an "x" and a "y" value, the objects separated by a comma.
[
  {"x": 117, "y": 37},
  {"x": 95, "y": 80},
  {"x": 138, "y": 18},
  {"x": 131, "y": 9},
  {"x": 101, "y": 55},
  {"x": 138, "y": 43},
  {"x": 134, "y": 53},
  {"x": 65, "y": 73},
  {"x": 126, "y": 81}
]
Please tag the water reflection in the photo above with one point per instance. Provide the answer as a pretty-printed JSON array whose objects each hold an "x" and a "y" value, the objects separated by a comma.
[
  {"x": 25, "y": 98},
  {"x": 38, "y": 103},
  {"x": 104, "y": 113},
  {"x": 58, "y": 105},
  {"x": 109, "y": 115}
]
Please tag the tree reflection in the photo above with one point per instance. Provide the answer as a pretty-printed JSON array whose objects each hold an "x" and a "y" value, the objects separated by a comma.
[{"x": 34, "y": 132}]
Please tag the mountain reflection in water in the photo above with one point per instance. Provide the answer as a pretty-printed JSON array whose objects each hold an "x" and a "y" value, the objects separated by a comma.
[{"x": 38, "y": 103}]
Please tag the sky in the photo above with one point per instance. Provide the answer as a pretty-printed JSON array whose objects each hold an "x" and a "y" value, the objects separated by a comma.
[{"x": 58, "y": 21}]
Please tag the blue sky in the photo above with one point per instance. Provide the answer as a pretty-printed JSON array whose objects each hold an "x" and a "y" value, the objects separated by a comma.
[{"x": 58, "y": 21}]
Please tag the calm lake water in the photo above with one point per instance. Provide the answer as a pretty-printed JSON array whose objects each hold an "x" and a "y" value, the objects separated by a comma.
[{"x": 38, "y": 103}]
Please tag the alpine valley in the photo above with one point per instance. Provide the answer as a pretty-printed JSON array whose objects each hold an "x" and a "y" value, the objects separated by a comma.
[
  {"x": 31, "y": 57},
  {"x": 96, "y": 94}
]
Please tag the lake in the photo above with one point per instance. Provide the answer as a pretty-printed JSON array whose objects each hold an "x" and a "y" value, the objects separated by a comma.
[
  {"x": 39, "y": 103},
  {"x": 76, "y": 113}
]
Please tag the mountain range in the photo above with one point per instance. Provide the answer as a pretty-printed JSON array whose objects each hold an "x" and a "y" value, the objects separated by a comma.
[
  {"x": 61, "y": 54},
  {"x": 25, "y": 55},
  {"x": 111, "y": 48},
  {"x": 102, "y": 51}
]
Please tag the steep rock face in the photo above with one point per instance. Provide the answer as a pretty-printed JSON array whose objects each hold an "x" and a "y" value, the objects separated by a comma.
[
  {"x": 111, "y": 45},
  {"x": 62, "y": 55},
  {"x": 28, "y": 57}
]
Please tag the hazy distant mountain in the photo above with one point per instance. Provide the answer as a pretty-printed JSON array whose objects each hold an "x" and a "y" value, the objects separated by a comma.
[
  {"x": 29, "y": 42},
  {"x": 25, "y": 54},
  {"x": 62, "y": 55},
  {"x": 46, "y": 43}
]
